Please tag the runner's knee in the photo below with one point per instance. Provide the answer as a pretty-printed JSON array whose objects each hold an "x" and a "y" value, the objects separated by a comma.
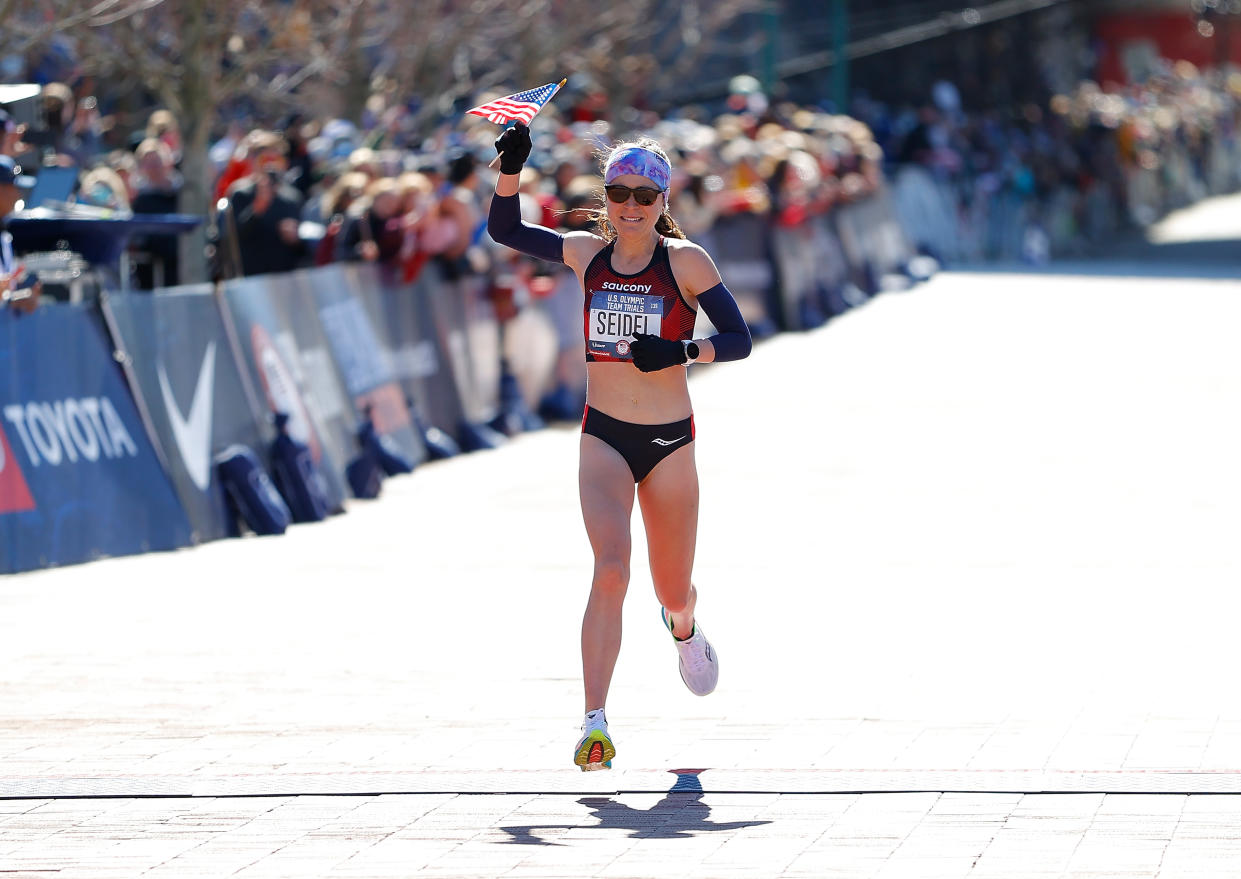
[
  {"x": 675, "y": 600},
  {"x": 611, "y": 577}
]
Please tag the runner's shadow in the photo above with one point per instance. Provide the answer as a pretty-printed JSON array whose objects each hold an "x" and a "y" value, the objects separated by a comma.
[{"x": 681, "y": 814}]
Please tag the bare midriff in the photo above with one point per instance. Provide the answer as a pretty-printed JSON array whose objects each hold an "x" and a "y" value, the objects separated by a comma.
[{"x": 627, "y": 394}]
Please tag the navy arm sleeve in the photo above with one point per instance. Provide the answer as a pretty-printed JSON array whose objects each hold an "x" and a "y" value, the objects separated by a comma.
[
  {"x": 732, "y": 342},
  {"x": 506, "y": 227}
]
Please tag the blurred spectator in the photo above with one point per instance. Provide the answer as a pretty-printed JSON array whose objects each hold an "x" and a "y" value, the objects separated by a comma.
[
  {"x": 11, "y": 132},
  {"x": 244, "y": 159},
  {"x": 426, "y": 231},
  {"x": 51, "y": 138},
  {"x": 325, "y": 177},
  {"x": 163, "y": 126},
  {"x": 258, "y": 227},
  {"x": 745, "y": 191},
  {"x": 221, "y": 153},
  {"x": 334, "y": 206},
  {"x": 300, "y": 173},
  {"x": 363, "y": 161},
  {"x": 530, "y": 185},
  {"x": 158, "y": 191},
  {"x": 126, "y": 167},
  {"x": 374, "y": 230},
  {"x": 102, "y": 187},
  {"x": 460, "y": 205},
  {"x": 693, "y": 201},
  {"x": 17, "y": 290},
  {"x": 84, "y": 139}
]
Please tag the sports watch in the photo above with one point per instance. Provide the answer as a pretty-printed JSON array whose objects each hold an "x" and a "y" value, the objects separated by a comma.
[{"x": 691, "y": 350}]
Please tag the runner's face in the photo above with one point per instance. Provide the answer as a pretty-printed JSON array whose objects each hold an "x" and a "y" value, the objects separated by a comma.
[{"x": 632, "y": 218}]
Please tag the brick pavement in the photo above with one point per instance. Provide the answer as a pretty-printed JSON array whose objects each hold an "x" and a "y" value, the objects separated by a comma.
[
  {"x": 978, "y": 535},
  {"x": 634, "y": 835}
]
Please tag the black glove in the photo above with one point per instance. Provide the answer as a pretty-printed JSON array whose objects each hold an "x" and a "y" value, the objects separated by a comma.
[
  {"x": 514, "y": 148},
  {"x": 652, "y": 353}
]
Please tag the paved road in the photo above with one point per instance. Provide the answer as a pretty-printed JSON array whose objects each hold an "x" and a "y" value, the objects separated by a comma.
[{"x": 968, "y": 554}]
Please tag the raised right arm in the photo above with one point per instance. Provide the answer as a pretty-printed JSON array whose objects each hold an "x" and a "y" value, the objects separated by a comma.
[
  {"x": 504, "y": 222},
  {"x": 505, "y": 225}
]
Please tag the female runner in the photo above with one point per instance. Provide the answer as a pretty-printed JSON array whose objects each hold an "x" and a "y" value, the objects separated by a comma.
[{"x": 642, "y": 283}]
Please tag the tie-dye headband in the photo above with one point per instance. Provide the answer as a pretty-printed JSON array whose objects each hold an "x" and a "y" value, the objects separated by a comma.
[{"x": 641, "y": 161}]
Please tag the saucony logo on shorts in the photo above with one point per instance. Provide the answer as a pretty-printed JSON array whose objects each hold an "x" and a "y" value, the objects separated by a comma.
[{"x": 660, "y": 441}]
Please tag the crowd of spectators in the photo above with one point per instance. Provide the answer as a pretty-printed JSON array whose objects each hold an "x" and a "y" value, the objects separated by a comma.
[
  {"x": 361, "y": 198},
  {"x": 967, "y": 185},
  {"x": 140, "y": 175},
  {"x": 1064, "y": 177}
]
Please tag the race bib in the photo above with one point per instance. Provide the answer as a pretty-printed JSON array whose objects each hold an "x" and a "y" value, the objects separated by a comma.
[{"x": 616, "y": 317}]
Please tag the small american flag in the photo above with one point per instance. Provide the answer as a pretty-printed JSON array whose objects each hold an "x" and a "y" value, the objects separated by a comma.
[{"x": 523, "y": 105}]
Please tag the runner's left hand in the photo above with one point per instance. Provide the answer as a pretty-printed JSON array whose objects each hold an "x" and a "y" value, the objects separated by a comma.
[{"x": 652, "y": 353}]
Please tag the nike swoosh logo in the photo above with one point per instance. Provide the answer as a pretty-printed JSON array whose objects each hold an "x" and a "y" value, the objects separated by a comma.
[
  {"x": 660, "y": 441},
  {"x": 193, "y": 434}
]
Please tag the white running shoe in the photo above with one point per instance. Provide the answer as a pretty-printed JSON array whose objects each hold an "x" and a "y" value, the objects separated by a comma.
[
  {"x": 595, "y": 749},
  {"x": 700, "y": 667}
]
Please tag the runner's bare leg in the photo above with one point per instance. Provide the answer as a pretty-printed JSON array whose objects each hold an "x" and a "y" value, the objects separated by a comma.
[{"x": 605, "y": 485}]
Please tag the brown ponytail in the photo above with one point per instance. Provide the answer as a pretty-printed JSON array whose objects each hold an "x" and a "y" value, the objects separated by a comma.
[{"x": 667, "y": 226}]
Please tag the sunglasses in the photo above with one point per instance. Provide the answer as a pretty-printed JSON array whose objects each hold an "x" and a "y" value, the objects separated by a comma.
[{"x": 643, "y": 195}]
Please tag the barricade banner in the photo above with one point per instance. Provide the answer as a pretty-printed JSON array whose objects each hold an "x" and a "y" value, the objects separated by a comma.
[
  {"x": 927, "y": 213},
  {"x": 851, "y": 235},
  {"x": 362, "y": 356},
  {"x": 832, "y": 270},
  {"x": 289, "y": 360},
  {"x": 741, "y": 254},
  {"x": 837, "y": 292},
  {"x": 483, "y": 347},
  {"x": 563, "y": 311},
  {"x": 419, "y": 352},
  {"x": 182, "y": 368},
  {"x": 881, "y": 237},
  {"x": 79, "y": 478},
  {"x": 465, "y": 322},
  {"x": 795, "y": 259},
  {"x": 531, "y": 349}
]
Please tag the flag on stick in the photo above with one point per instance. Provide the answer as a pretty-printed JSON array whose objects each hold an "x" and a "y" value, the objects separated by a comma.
[{"x": 523, "y": 105}]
